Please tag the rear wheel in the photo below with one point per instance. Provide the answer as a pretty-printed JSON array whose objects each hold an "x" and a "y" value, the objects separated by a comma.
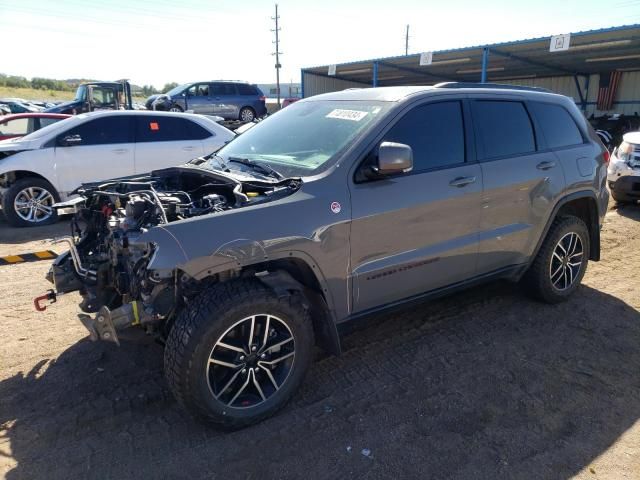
[
  {"x": 29, "y": 203},
  {"x": 238, "y": 353},
  {"x": 247, "y": 114},
  {"x": 561, "y": 262},
  {"x": 176, "y": 108}
]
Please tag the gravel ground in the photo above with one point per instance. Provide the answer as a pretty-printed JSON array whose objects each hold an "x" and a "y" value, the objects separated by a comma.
[{"x": 486, "y": 384}]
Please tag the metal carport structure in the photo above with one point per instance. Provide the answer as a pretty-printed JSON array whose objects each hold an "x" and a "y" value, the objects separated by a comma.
[{"x": 572, "y": 72}]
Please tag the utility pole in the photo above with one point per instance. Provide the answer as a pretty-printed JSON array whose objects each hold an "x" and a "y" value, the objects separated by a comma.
[
  {"x": 406, "y": 42},
  {"x": 277, "y": 53}
]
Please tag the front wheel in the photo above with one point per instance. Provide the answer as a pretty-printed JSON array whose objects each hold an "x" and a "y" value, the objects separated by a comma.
[
  {"x": 561, "y": 262},
  {"x": 29, "y": 203},
  {"x": 238, "y": 352}
]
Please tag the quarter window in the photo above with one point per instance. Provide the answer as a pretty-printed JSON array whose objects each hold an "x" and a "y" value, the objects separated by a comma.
[
  {"x": 19, "y": 126},
  {"x": 103, "y": 131},
  {"x": 435, "y": 133},
  {"x": 244, "y": 89},
  {"x": 504, "y": 128},
  {"x": 558, "y": 126}
]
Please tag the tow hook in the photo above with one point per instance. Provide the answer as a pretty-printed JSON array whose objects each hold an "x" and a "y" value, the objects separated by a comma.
[{"x": 50, "y": 296}]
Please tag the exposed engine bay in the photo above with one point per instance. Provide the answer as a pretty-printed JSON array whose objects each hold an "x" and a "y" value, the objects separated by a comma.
[{"x": 107, "y": 263}]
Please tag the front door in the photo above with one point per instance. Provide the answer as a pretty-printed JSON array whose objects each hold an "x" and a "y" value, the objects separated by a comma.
[
  {"x": 199, "y": 99},
  {"x": 417, "y": 232},
  {"x": 102, "y": 149}
]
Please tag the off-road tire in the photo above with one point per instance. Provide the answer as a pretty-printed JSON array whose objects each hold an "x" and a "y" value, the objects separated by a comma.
[
  {"x": 10, "y": 194},
  {"x": 537, "y": 281},
  {"x": 200, "y": 325}
]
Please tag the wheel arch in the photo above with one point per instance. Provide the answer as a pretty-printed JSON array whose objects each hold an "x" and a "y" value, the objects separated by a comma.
[
  {"x": 8, "y": 178},
  {"x": 583, "y": 205},
  {"x": 295, "y": 272}
]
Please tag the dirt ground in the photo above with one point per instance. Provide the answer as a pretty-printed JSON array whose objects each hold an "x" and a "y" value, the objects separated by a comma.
[{"x": 486, "y": 384}]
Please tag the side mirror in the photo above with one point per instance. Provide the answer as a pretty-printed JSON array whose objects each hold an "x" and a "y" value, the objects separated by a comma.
[
  {"x": 70, "y": 141},
  {"x": 394, "y": 158}
]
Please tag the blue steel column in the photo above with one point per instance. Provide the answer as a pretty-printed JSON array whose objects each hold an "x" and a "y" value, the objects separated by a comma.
[
  {"x": 301, "y": 83},
  {"x": 375, "y": 74},
  {"x": 485, "y": 62}
]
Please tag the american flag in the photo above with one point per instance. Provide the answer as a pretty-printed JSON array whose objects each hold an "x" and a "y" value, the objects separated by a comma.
[{"x": 607, "y": 87}]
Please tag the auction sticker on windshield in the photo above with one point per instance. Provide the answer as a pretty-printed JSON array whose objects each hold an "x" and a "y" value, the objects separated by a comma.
[{"x": 353, "y": 115}]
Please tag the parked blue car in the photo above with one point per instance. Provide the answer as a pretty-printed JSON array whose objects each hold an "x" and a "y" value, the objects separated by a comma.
[{"x": 226, "y": 99}]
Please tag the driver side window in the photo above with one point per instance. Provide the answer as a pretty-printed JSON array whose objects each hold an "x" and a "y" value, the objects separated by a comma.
[{"x": 101, "y": 131}]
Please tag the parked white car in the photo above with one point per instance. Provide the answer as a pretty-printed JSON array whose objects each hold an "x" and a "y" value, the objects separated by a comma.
[
  {"x": 624, "y": 170},
  {"x": 44, "y": 167}
]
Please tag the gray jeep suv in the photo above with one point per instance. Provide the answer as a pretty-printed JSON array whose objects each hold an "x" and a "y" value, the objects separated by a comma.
[{"x": 336, "y": 207}]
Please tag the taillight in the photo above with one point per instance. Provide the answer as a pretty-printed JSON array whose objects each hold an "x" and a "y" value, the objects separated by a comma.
[
  {"x": 263, "y": 98},
  {"x": 606, "y": 156}
]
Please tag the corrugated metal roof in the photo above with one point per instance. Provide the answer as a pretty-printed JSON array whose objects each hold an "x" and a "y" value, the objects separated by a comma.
[{"x": 520, "y": 58}]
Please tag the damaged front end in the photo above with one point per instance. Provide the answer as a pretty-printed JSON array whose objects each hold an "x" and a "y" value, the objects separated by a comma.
[{"x": 108, "y": 258}]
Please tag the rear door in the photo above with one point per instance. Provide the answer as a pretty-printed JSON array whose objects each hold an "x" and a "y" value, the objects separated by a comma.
[
  {"x": 418, "y": 231},
  {"x": 521, "y": 181},
  {"x": 225, "y": 100},
  {"x": 103, "y": 149},
  {"x": 166, "y": 141}
]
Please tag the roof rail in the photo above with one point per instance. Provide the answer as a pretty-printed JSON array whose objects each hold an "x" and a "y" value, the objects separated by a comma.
[{"x": 496, "y": 86}]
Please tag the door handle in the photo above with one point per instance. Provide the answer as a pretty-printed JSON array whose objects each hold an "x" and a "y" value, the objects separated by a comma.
[
  {"x": 462, "y": 181},
  {"x": 188, "y": 149},
  {"x": 120, "y": 151},
  {"x": 545, "y": 165}
]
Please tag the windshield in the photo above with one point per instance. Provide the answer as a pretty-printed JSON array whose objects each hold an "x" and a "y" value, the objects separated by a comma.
[
  {"x": 81, "y": 93},
  {"x": 177, "y": 90},
  {"x": 305, "y": 138}
]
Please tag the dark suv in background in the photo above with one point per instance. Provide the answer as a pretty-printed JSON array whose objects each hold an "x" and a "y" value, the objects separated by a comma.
[
  {"x": 226, "y": 99},
  {"x": 340, "y": 205}
]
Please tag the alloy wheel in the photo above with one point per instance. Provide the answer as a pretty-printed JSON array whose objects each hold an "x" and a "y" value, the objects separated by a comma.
[
  {"x": 251, "y": 361},
  {"x": 34, "y": 204},
  {"x": 246, "y": 115},
  {"x": 566, "y": 261}
]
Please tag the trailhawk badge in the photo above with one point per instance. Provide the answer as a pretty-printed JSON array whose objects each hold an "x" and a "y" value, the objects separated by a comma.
[{"x": 335, "y": 207}]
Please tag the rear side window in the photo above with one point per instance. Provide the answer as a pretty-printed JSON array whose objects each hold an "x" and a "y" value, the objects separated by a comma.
[
  {"x": 435, "y": 133},
  {"x": 223, "y": 89},
  {"x": 244, "y": 89},
  {"x": 558, "y": 126},
  {"x": 504, "y": 128},
  {"x": 103, "y": 131},
  {"x": 167, "y": 129}
]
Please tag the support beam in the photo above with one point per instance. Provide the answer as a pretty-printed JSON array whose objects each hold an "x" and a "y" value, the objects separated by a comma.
[
  {"x": 301, "y": 83},
  {"x": 485, "y": 62},
  {"x": 375, "y": 74},
  {"x": 535, "y": 63},
  {"x": 583, "y": 101},
  {"x": 586, "y": 92}
]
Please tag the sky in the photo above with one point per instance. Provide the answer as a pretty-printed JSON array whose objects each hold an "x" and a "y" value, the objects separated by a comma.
[{"x": 153, "y": 42}]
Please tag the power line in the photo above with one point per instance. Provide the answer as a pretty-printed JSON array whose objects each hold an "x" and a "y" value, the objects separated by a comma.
[{"x": 277, "y": 53}]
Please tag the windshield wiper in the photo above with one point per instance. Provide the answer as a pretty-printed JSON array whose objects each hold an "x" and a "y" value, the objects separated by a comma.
[
  {"x": 262, "y": 167},
  {"x": 201, "y": 160}
]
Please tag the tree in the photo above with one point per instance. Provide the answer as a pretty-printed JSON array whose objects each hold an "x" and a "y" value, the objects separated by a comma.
[{"x": 169, "y": 86}]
